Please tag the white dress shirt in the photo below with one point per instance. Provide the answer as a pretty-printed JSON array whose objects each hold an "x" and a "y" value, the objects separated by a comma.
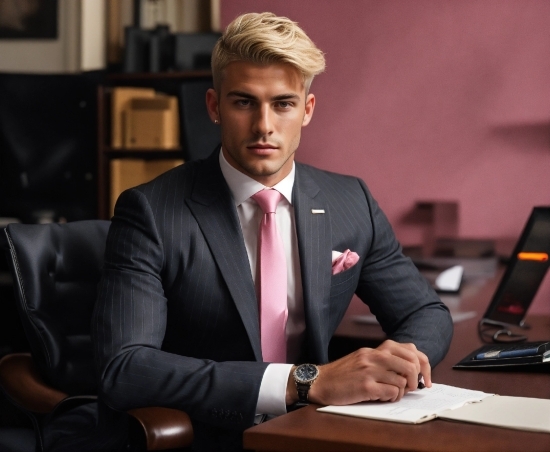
[{"x": 271, "y": 399}]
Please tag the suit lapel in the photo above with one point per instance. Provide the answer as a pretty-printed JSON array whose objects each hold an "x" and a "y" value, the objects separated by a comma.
[
  {"x": 314, "y": 242},
  {"x": 214, "y": 210}
]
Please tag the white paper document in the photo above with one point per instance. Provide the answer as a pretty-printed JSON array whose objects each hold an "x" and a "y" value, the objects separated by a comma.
[
  {"x": 456, "y": 404},
  {"x": 415, "y": 407},
  {"x": 521, "y": 413}
]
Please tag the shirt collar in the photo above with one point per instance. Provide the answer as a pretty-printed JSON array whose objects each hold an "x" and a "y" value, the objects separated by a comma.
[{"x": 243, "y": 187}]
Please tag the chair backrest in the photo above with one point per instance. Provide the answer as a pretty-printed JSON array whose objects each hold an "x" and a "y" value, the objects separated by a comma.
[{"x": 56, "y": 268}]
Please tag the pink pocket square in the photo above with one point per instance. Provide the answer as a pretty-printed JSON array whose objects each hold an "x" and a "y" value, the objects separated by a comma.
[{"x": 343, "y": 261}]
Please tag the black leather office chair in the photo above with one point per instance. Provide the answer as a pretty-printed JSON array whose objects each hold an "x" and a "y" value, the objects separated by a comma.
[{"x": 56, "y": 268}]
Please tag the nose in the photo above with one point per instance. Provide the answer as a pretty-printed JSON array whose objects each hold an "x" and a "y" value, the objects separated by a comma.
[{"x": 263, "y": 121}]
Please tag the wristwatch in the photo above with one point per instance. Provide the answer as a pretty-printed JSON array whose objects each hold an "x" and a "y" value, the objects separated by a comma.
[{"x": 304, "y": 376}]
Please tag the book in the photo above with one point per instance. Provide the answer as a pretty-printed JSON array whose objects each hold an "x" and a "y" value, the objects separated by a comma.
[{"x": 456, "y": 404}]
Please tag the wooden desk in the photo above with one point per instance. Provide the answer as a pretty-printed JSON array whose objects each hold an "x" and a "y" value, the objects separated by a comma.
[{"x": 309, "y": 430}]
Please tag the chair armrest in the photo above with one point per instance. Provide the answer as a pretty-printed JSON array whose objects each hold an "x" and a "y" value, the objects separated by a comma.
[
  {"x": 156, "y": 427},
  {"x": 22, "y": 384},
  {"x": 163, "y": 428}
]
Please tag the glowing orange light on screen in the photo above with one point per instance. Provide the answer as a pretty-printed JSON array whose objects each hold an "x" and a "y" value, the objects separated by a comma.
[{"x": 539, "y": 257}]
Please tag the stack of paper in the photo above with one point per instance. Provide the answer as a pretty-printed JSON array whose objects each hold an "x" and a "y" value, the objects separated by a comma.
[{"x": 449, "y": 402}]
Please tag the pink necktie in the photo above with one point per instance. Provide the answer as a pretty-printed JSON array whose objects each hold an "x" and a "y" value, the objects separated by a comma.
[{"x": 272, "y": 280}]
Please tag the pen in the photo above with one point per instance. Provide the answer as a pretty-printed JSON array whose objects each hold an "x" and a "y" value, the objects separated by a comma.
[
  {"x": 508, "y": 353},
  {"x": 421, "y": 384}
]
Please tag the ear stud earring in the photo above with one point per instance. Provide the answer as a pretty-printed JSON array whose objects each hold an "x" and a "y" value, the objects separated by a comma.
[{"x": 216, "y": 121}]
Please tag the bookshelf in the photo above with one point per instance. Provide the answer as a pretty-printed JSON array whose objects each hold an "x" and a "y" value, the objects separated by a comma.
[{"x": 145, "y": 163}]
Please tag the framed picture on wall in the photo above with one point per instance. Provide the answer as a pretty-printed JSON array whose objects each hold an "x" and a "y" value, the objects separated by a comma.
[{"x": 28, "y": 19}]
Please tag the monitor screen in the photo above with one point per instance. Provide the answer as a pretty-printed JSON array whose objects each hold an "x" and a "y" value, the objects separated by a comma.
[{"x": 525, "y": 272}]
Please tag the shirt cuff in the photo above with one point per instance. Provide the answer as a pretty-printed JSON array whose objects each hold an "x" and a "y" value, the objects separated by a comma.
[{"x": 272, "y": 397}]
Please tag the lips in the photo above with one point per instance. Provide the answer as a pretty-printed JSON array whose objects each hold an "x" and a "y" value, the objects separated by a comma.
[{"x": 262, "y": 149}]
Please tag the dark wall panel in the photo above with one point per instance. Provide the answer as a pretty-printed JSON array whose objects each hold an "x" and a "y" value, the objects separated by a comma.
[{"x": 48, "y": 146}]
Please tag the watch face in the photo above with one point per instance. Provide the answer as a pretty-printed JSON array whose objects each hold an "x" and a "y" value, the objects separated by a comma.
[{"x": 306, "y": 373}]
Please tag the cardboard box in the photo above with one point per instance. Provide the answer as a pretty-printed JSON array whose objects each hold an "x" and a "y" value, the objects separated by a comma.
[
  {"x": 120, "y": 102},
  {"x": 127, "y": 173},
  {"x": 152, "y": 123}
]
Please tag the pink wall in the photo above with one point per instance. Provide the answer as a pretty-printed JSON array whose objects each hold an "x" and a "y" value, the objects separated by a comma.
[{"x": 432, "y": 100}]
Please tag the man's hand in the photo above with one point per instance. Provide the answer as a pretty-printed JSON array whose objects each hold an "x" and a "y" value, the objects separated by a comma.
[{"x": 385, "y": 374}]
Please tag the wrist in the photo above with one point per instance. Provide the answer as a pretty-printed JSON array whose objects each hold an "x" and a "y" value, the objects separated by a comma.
[
  {"x": 305, "y": 376},
  {"x": 318, "y": 391},
  {"x": 291, "y": 392}
]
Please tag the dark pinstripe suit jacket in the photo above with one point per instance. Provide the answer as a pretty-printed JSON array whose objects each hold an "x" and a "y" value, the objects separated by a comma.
[{"x": 176, "y": 322}]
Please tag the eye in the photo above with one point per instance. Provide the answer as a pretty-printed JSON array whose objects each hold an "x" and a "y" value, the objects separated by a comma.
[
  {"x": 284, "y": 104},
  {"x": 243, "y": 102}
]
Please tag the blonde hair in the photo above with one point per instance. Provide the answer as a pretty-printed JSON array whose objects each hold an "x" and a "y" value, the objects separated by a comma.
[{"x": 263, "y": 38}]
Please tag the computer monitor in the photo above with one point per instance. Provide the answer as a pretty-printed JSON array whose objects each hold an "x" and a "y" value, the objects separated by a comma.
[{"x": 524, "y": 274}]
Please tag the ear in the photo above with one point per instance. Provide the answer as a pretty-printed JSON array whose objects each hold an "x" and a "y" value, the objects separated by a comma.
[
  {"x": 308, "y": 112},
  {"x": 212, "y": 105}
]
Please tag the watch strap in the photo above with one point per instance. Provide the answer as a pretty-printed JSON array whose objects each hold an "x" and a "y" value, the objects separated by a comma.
[
  {"x": 304, "y": 376},
  {"x": 303, "y": 390}
]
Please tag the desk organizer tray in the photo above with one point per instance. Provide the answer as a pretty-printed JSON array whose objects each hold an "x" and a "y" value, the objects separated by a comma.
[{"x": 507, "y": 356}]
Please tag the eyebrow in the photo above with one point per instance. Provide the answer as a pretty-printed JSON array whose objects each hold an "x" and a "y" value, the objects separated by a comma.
[{"x": 246, "y": 95}]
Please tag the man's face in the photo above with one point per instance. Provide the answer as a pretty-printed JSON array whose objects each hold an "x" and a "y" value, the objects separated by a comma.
[{"x": 261, "y": 111}]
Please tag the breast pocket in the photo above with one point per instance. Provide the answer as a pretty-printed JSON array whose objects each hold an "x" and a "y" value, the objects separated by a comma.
[{"x": 344, "y": 282}]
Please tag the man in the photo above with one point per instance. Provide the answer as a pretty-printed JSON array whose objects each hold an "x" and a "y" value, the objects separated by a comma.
[{"x": 180, "y": 319}]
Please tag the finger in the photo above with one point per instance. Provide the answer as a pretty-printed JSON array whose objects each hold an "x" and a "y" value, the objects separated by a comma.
[
  {"x": 425, "y": 369},
  {"x": 389, "y": 377},
  {"x": 410, "y": 353},
  {"x": 386, "y": 393},
  {"x": 408, "y": 369},
  {"x": 405, "y": 351},
  {"x": 399, "y": 371},
  {"x": 378, "y": 386},
  {"x": 412, "y": 380},
  {"x": 402, "y": 392}
]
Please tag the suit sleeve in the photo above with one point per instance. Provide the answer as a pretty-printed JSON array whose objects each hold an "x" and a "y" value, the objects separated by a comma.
[
  {"x": 406, "y": 306},
  {"x": 128, "y": 330}
]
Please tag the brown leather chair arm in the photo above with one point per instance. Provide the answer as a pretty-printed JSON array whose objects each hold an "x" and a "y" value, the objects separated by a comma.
[
  {"x": 163, "y": 428},
  {"x": 25, "y": 387}
]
